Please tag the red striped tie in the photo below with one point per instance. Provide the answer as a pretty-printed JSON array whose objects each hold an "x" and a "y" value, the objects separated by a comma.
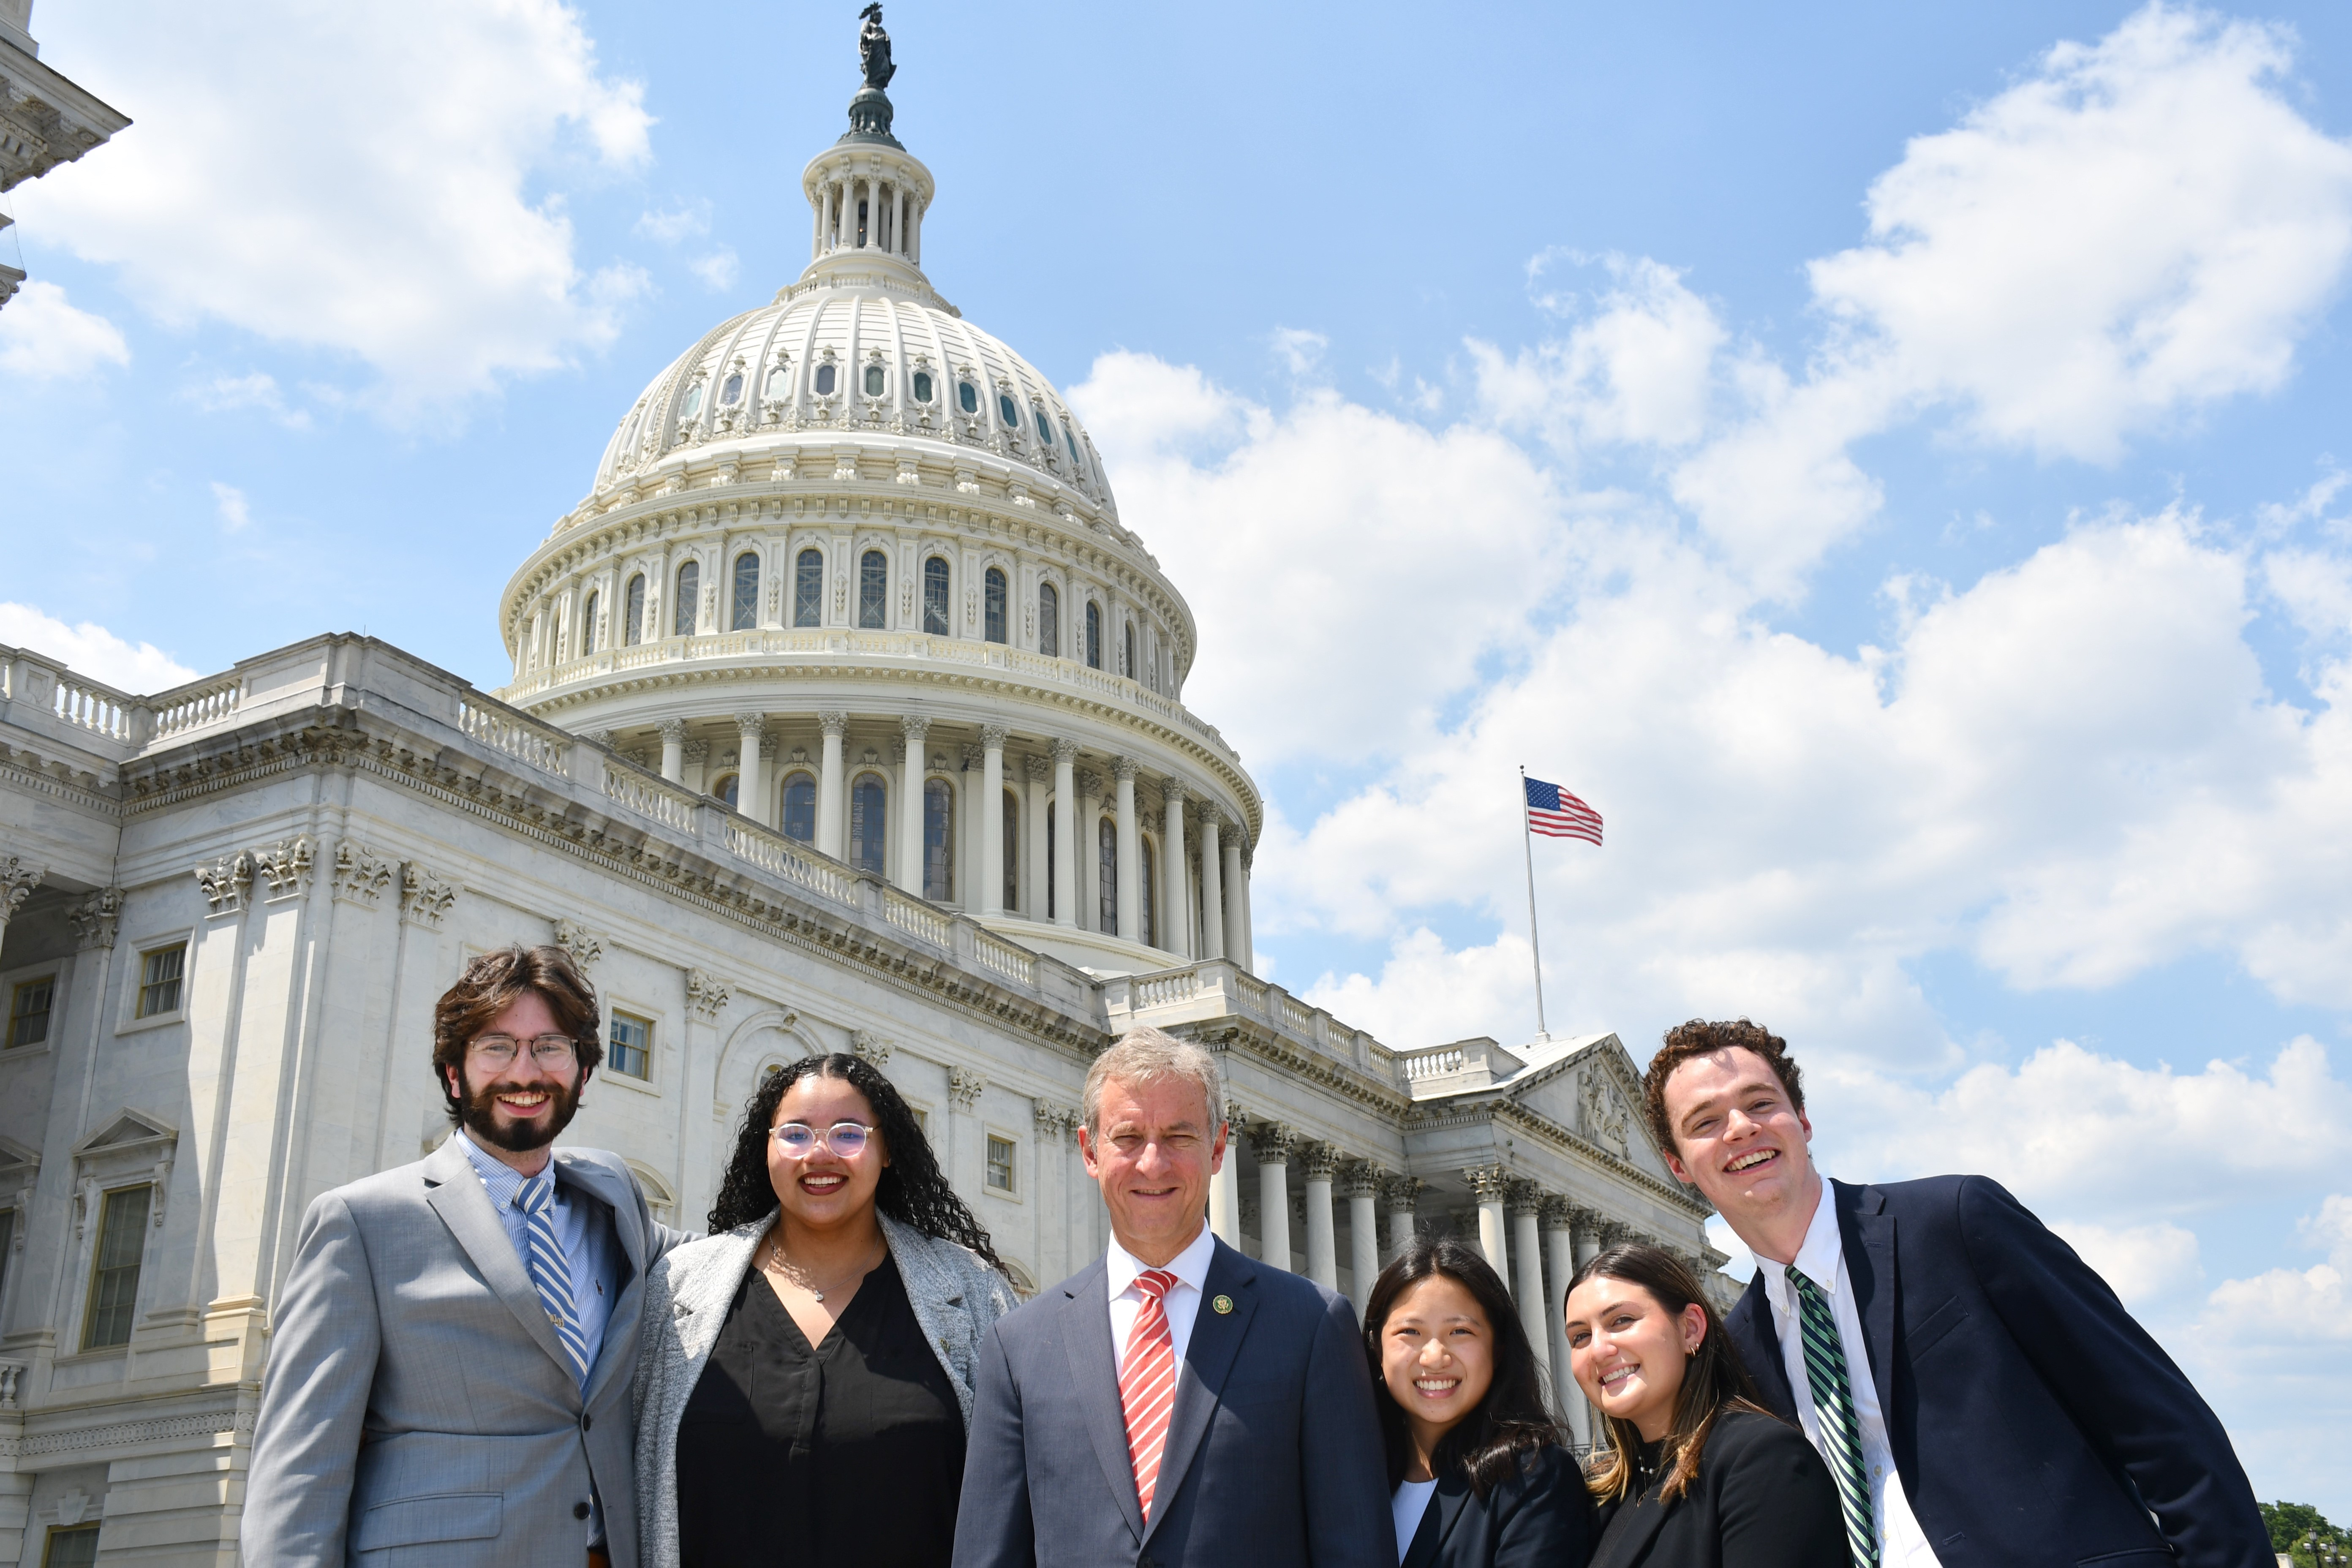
[{"x": 1147, "y": 1383}]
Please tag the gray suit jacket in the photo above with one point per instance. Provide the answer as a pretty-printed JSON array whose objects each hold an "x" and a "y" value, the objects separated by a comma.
[
  {"x": 418, "y": 1407},
  {"x": 1273, "y": 1457},
  {"x": 956, "y": 1297}
]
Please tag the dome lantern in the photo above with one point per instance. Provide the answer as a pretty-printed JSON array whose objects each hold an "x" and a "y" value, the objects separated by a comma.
[{"x": 866, "y": 193}]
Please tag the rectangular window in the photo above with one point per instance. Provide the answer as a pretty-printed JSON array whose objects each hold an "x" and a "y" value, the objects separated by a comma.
[
  {"x": 999, "y": 1163},
  {"x": 114, "y": 1272},
  {"x": 28, "y": 1011},
  {"x": 159, "y": 979},
  {"x": 922, "y": 1119},
  {"x": 7, "y": 1245},
  {"x": 632, "y": 1041},
  {"x": 71, "y": 1548},
  {"x": 808, "y": 589}
]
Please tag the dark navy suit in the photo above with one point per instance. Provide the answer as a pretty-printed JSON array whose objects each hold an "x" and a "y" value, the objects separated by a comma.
[
  {"x": 1274, "y": 1453},
  {"x": 2032, "y": 1419}
]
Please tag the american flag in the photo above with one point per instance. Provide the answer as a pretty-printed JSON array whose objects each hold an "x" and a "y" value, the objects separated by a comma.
[{"x": 1556, "y": 813}]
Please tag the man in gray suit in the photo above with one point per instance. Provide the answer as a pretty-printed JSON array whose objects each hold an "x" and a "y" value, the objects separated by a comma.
[
  {"x": 1175, "y": 1403},
  {"x": 449, "y": 1374}
]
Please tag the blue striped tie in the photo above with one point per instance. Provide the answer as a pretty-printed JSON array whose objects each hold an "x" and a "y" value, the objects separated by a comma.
[
  {"x": 551, "y": 1271},
  {"x": 1833, "y": 1407}
]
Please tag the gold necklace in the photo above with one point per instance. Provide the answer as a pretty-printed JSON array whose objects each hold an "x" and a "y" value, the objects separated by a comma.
[{"x": 775, "y": 1264}]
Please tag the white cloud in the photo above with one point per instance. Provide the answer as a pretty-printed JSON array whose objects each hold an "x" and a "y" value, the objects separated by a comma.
[
  {"x": 234, "y": 513},
  {"x": 91, "y": 650},
  {"x": 671, "y": 225},
  {"x": 43, "y": 338},
  {"x": 386, "y": 206},
  {"x": 1300, "y": 350},
  {"x": 718, "y": 270},
  {"x": 2141, "y": 1263},
  {"x": 1638, "y": 368},
  {"x": 258, "y": 389}
]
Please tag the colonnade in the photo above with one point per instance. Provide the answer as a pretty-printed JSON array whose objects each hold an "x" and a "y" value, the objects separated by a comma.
[{"x": 894, "y": 223}]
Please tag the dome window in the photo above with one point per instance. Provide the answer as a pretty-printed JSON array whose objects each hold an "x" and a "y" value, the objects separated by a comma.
[
  {"x": 693, "y": 404},
  {"x": 588, "y": 626},
  {"x": 633, "y": 621},
  {"x": 808, "y": 589},
  {"x": 731, "y": 393},
  {"x": 1044, "y": 427},
  {"x": 935, "y": 596},
  {"x": 875, "y": 381},
  {"x": 1006, "y": 410},
  {"x": 689, "y": 595},
  {"x": 824, "y": 381},
  {"x": 868, "y": 820},
  {"x": 873, "y": 591},
  {"x": 800, "y": 809},
  {"x": 968, "y": 396},
  {"x": 922, "y": 386},
  {"x": 746, "y": 593},
  {"x": 1094, "y": 635},
  {"x": 1049, "y": 620},
  {"x": 780, "y": 382},
  {"x": 992, "y": 594}
]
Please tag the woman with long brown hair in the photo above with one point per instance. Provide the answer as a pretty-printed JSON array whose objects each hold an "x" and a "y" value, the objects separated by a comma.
[{"x": 1697, "y": 1474}]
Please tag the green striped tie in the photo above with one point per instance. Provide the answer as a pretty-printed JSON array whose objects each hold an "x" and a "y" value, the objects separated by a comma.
[{"x": 1833, "y": 1405}]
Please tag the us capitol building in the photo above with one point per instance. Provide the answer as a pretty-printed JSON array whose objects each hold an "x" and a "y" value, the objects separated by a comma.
[{"x": 846, "y": 715}]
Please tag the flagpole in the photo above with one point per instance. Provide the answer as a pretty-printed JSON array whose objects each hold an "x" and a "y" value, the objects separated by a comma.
[{"x": 1534, "y": 940}]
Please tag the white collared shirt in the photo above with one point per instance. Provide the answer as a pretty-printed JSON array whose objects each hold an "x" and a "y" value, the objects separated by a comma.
[
  {"x": 1182, "y": 1300},
  {"x": 1901, "y": 1542}
]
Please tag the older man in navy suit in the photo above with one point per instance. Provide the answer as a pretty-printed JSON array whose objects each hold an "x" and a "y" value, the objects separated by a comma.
[
  {"x": 1979, "y": 1394},
  {"x": 1174, "y": 1403}
]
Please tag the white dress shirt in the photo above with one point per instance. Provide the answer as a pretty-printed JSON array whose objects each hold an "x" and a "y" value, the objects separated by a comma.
[
  {"x": 1182, "y": 1300},
  {"x": 1901, "y": 1542},
  {"x": 1410, "y": 1502}
]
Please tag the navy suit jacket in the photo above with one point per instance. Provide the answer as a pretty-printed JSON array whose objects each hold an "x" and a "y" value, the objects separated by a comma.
[
  {"x": 2032, "y": 1419},
  {"x": 1274, "y": 1453}
]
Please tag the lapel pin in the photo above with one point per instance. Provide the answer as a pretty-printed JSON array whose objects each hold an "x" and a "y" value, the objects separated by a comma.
[{"x": 1223, "y": 1304}]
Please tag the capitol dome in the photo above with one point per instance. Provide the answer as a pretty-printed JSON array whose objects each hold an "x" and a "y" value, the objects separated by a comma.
[{"x": 849, "y": 565}]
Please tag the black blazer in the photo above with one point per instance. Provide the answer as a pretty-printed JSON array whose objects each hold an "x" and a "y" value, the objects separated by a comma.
[
  {"x": 1541, "y": 1517},
  {"x": 2032, "y": 1419},
  {"x": 1762, "y": 1498}
]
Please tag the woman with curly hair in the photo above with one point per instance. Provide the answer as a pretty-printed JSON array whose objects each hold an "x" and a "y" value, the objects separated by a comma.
[{"x": 804, "y": 1372}]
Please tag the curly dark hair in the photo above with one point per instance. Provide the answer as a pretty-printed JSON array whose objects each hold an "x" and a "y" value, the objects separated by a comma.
[
  {"x": 491, "y": 983},
  {"x": 1513, "y": 1419},
  {"x": 1701, "y": 1038},
  {"x": 913, "y": 1190}
]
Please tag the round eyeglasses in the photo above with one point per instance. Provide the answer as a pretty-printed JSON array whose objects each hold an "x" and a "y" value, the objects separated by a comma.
[
  {"x": 552, "y": 1052},
  {"x": 798, "y": 1139}
]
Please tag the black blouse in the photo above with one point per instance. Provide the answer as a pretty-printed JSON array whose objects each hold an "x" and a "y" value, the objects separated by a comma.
[{"x": 850, "y": 1451}]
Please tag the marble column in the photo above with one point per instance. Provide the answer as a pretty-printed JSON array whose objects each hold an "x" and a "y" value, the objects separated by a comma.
[
  {"x": 1225, "y": 1187},
  {"x": 1038, "y": 772},
  {"x": 673, "y": 738},
  {"x": 829, "y": 802},
  {"x": 1362, "y": 1185},
  {"x": 1068, "y": 850},
  {"x": 1131, "y": 879},
  {"x": 1401, "y": 1192},
  {"x": 1175, "y": 922},
  {"x": 1089, "y": 847},
  {"x": 968, "y": 830},
  {"x": 1318, "y": 1162},
  {"x": 916, "y": 731},
  {"x": 897, "y": 218},
  {"x": 1560, "y": 1249},
  {"x": 1492, "y": 1187},
  {"x": 1237, "y": 893},
  {"x": 991, "y": 818},
  {"x": 750, "y": 775},
  {"x": 1526, "y": 1211},
  {"x": 1270, "y": 1142},
  {"x": 1229, "y": 907},
  {"x": 1213, "y": 890}
]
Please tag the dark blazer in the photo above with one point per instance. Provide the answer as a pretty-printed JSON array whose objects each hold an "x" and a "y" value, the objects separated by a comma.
[
  {"x": 1762, "y": 1498},
  {"x": 1274, "y": 1453},
  {"x": 1541, "y": 1517},
  {"x": 2032, "y": 1419}
]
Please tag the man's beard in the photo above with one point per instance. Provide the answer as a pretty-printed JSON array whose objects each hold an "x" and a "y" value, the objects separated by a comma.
[{"x": 479, "y": 1114}]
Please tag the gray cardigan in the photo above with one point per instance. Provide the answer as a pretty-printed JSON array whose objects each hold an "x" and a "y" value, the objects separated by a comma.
[{"x": 956, "y": 1297}]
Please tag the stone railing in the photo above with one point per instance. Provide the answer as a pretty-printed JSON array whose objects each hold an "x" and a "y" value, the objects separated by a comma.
[
  {"x": 194, "y": 707},
  {"x": 914, "y": 916},
  {"x": 779, "y": 857},
  {"x": 1217, "y": 988},
  {"x": 1436, "y": 1061},
  {"x": 1015, "y": 963},
  {"x": 649, "y": 796},
  {"x": 526, "y": 740},
  {"x": 12, "y": 1374}
]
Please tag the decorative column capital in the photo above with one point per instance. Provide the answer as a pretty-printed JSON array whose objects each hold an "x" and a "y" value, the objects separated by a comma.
[
  {"x": 751, "y": 723},
  {"x": 1087, "y": 782},
  {"x": 833, "y": 724},
  {"x": 95, "y": 921},
  {"x": 1403, "y": 1192},
  {"x": 361, "y": 875},
  {"x": 1271, "y": 1141},
  {"x": 1526, "y": 1198},
  {"x": 1123, "y": 769},
  {"x": 914, "y": 727},
  {"x": 1559, "y": 1213},
  {"x": 696, "y": 752},
  {"x": 766, "y": 745},
  {"x": 1054, "y": 1121},
  {"x": 1037, "y": 769},
  {"x": 424, "y": 897},
  {"x": 1172, "y": 790},
  {"x": 672, "y": 731},
  {"x": 17, "y": 881},
  {"x": 285, "y": 867},
  {"x": 994, "y": 736},
  {"x": 1491, "y": 1183},
  {"x": 870, "y": 1046},
  {"x": 1318, "y": 1162},
  {"x": 974, "y": 758},
  {"x": 597, "y": 738},
  {"x": 706, "y": 994},
  {"x": 1065, "y": 752},
  {"x": 1362, "y": 1179},
  {"x": 226, "y": 881},
  {"x": 575, "y": 938},
  {"x": 964, "y": 1088},
  {"x": 898, "y": 752}
]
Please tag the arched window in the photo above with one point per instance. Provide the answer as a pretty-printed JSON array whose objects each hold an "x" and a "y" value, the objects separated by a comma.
[
  {"x": 992, "y": 596},
  {"x": 824, "y": 381},
  {"x": 745, "y": 614},
  {"x": 1008, "y": 413},
  {"x": 922, "y": 386},
  {"x": 967, "y": 397},
  {"x": 689, "y": 595},
  {"x": 1106, "y": 888},
  {"x": 867, "y": 800},
  {"x": 633, "y": 614},
  {"x": 935, "y": 596},
  {"x": 800, "y": 809},
  {"x": 938, "y": 840},
  {"x": 1044, "y": 428},
  {"x": 1145, "y": 916},
  {"x": 1049, "y": 620},
  {"x": 731, "y": 391},
  {"x": 588, "y": 625},
  {"x": 1126, "y": 665},
  {"x": 1094, "y": 634},
  {"x": 808, "y": 589},
  {"x": 875, "y": 381},
  {"x": 727, "y": 787},
  {"x": 873, "y": 591},
  {"x": 1012, "y": 851}
]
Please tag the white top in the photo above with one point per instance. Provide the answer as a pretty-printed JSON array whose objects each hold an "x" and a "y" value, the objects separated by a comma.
[
  {"x": 1901, "y": 1542},
  {"x": 1410, "y": 1502},
  {"x": 1182, "y": 1300}
]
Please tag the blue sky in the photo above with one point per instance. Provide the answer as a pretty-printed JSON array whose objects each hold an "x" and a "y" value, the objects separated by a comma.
[{"x": 1886, "y": 458}]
